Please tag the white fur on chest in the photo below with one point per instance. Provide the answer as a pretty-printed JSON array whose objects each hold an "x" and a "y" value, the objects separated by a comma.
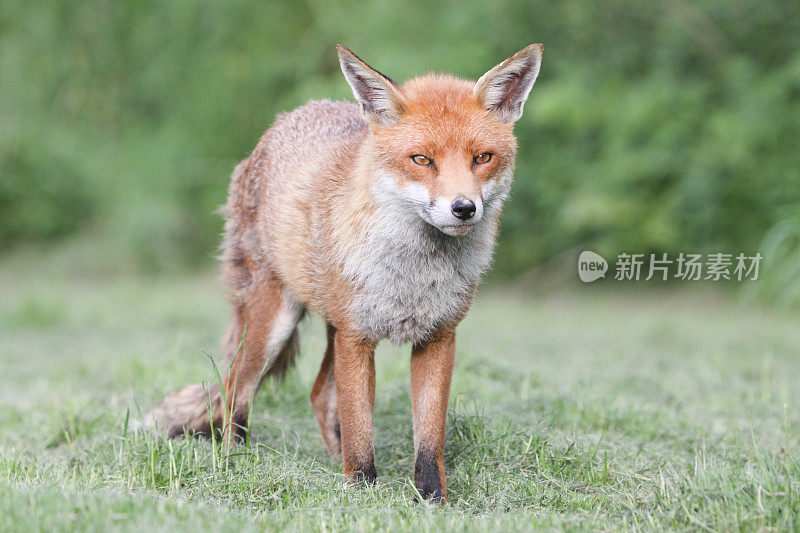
[{"x": 410, "y": 278}]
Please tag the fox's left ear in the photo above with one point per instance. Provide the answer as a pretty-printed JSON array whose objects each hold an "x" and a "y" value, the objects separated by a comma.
[
  {"x": 378, "y": 95},
  {"x": 505, "y": 88}
]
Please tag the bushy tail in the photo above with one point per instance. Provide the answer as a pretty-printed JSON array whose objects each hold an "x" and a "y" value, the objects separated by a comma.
[
  {"x": 189, "y": 410},
  {"x": 196, "y": 409}
]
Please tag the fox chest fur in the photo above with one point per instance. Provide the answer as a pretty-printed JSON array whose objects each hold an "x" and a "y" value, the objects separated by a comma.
[{"x": 409, "y": 279}]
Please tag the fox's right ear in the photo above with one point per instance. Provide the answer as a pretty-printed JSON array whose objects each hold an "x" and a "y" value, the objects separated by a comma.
[{"x": 378, "y": 94}]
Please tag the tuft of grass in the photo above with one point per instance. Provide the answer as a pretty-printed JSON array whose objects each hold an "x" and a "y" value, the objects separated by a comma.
[{"x": 577, "y": 410}]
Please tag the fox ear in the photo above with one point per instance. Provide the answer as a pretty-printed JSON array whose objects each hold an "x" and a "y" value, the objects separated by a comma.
[
  {"x": 378, "y": 94},
  {"x": 505, "y": 88}
]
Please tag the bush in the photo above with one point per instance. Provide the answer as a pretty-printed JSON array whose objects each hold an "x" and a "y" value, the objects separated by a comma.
[{"x": 41, "y": 197}]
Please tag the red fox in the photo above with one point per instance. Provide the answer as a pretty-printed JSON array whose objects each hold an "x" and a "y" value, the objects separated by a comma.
[{"x": 380, "y": 217}]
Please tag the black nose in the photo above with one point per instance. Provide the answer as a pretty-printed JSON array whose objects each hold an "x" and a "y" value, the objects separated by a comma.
[{"x": 463, "y": 208}]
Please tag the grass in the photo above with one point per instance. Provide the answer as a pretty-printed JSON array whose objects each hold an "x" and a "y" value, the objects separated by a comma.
[{"x": 578, "y": 409}]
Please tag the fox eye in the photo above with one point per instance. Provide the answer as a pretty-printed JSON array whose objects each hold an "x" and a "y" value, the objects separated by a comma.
[
  {"x": 421, "y": 160},
  {"x": 485, "y": 157}
]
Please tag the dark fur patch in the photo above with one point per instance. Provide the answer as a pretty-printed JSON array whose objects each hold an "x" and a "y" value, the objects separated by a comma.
[
  {"x": 426, "y": 476},
  {"x": 176, "y": 432},
  {"x": 240, "y": 427},
  {"x": 366, "y": 472}
]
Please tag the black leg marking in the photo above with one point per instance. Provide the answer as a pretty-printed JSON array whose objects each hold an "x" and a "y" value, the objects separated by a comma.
[
  {"x": 366, "y": 472},
  {"x": 239, "y": 428},
  {"x": 426, "y": 476}
]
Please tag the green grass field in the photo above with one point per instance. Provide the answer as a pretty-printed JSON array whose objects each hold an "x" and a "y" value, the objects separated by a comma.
[{"x": 579, "y": 409}]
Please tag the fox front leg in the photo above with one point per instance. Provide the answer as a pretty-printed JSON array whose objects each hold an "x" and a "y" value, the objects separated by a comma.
[
  {"x": 354, "y": 370},
  {"x": 431, "y": 372}
]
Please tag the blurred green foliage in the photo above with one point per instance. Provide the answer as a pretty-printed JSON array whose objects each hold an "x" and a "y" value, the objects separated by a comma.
[{"x": 654, "y": 126}]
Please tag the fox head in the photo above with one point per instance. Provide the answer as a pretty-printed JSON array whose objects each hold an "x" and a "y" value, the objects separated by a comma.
[{"x": 443, "y": 148}]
